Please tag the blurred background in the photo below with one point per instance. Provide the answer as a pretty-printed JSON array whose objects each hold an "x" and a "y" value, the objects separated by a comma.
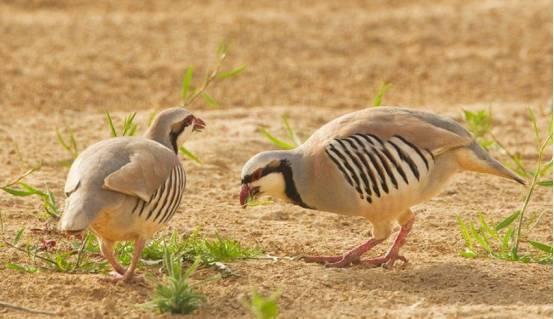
[{"x": 131, "y": 55}]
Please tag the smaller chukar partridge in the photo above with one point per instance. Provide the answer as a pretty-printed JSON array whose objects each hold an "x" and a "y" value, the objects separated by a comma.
[
  {"x": 376, "y": 163},
  {"x": 127, "y": 188}
]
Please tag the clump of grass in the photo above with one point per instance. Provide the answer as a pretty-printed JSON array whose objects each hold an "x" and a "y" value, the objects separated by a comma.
[
  {"x": 21, "y": 189},
  {"x": 495, "y": 240},
  {"x": 175, "y": 294},
  {"x": 262, "y": 307},
  {"x": 502, "y": 241},
  {"x": 480, "y": 125},
  {"x": 68, "y": 143},
  {"x": 208, "y": 251},
  {"x": 128, "y": 128},
  {"x": 290, "y": 142},
  {"x": 47, "y": 255},
  {"x": 378, "y": 99}
]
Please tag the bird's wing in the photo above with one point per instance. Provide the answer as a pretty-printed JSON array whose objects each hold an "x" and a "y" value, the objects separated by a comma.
[
  {"x": 148, "y": 168},
  {"x": 424, "y": 130}
]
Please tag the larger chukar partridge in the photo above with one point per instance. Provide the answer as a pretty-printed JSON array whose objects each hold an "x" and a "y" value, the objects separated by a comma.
[
  {"x": 127, "y": 188},
  {"x": 376, "y": 163}
]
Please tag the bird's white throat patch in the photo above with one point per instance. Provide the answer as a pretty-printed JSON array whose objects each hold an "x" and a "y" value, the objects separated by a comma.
[
  {"x": 272, "y": 184},
  {"x": 187, "y": 132}
]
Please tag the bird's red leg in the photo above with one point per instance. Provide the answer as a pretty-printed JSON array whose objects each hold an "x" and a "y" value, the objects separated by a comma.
[
  {"x": 106, "y": 248},
  {"x": 350, "y": 257},
  {"x": 139, "y": 246},
  {"x": 392, "y": 255}
]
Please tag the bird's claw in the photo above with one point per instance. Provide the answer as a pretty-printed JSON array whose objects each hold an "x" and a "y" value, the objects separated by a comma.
[{"x": 386, "y": 262}]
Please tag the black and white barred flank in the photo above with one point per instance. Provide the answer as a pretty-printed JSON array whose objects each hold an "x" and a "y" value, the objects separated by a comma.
[
  {"x": 374, "y": 166},
  {"x": 164, "y": 202}
]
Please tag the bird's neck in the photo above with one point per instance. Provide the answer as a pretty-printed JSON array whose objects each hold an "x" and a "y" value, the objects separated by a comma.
[{"x": 161, "y": 137}]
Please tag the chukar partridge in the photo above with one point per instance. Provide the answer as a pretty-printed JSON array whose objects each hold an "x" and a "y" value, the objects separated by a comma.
[
  {"x": 376, "y": 163},
  {"x": 127, "y": 188}
]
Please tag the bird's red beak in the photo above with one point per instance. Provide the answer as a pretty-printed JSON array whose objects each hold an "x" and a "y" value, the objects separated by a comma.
[
  {"x": 199, "y": 125},
  {"x": 244, "y": 194}
]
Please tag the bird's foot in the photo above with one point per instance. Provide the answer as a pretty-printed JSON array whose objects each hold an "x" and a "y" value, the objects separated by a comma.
[
  {"x": 115, "y": 277},
  {"x": 334, "y": 261},
  {"x": 386, "y": 261}
]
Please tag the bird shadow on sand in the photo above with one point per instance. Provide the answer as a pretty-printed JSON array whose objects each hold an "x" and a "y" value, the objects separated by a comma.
[{"x": 450, "y": 283}]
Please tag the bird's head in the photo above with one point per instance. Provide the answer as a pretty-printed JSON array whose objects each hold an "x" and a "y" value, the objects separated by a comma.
[
  {"x": 173, "y": 126},
  {"x": 270, "y": 173}
]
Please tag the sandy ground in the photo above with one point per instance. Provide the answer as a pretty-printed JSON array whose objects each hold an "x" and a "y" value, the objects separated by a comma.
[{"x": 66, "y": 62}]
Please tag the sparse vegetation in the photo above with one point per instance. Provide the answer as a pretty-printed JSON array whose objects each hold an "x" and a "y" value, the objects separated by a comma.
[
  {"x": 378, "y": 99},
  {"x": 291, "y": 141},
  {"x": 174, "y": 293},
  {"x": 502, "y": 240},
  {"x": 20, "y": 189},
  {"x": 262, "y": 307}
]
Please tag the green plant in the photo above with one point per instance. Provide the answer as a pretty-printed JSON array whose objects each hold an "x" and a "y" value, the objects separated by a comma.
[
  {"x": 48, "y": 255},
  {"x": 69, "y": 143},
  {"x": 292, "y": 140},
  {"x": 377, "y": 100},
  {"x": 190, "y": 93},
  {"x": 495, "y": 240},
  {"x": 128, "y": 128},
  {"x": 502, "y": 241},
  {"x": 22, "y": 189},
  {"x": 189, "y": 248},
  {"x": 480, "y": 125},
  {"x": 174, "y": 294},
  {"x": 263, "y": 307}
]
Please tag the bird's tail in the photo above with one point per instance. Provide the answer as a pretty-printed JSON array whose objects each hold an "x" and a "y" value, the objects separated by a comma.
[{"x": 475, "y": 158}]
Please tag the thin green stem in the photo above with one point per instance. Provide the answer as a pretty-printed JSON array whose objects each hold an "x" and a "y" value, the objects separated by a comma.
[
  {"x": 79, "y": 255},
  {"x": 207, "y": 81},
  {"x": 532, "y": 186}
]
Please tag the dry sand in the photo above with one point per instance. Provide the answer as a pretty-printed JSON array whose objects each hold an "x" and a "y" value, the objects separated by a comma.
[{"x": 63, "y": 63}]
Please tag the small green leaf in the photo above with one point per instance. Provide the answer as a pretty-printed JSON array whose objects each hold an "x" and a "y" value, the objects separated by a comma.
[
  {"x": 17, "y": 192},
  {"x": 22, "y": 268},
  {"x": 382, "y": 90},
  {"x": 507, "y": 239},
  {"x": 486, "y": 226},
  {"x": 231, "y": 73},
  {"x": 543, "y": 247},
  {"x": 545, "y": 183},
  {"x": 18, "y": 235},
  {"x": 290, "y": 132},
  {"x": 222, "y": 49},
  {"x": 468, "y": 253},
  {"x": 480, "y": 239},
  {"x": 507, "y": 222},
  {"x": 210, "y": 100},
  {"x": 465, "y": 232},
  {"x": 187, "y": 79},
  {"x": 110, "y": 124},
  {"x": 186, "y": 152},
  {"x": 275, "y": 140}
]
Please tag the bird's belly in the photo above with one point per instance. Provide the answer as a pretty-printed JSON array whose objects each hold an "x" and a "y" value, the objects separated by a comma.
[{"x": 135, "y": 218}]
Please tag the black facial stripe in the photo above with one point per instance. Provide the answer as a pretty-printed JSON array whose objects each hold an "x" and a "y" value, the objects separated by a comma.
[
  {"x": 174, "y": 135},
  {"x": 290, "y": 187}
]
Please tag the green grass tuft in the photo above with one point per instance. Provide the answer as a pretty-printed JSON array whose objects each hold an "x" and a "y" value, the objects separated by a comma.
[{"x": 263, "y": 307}]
